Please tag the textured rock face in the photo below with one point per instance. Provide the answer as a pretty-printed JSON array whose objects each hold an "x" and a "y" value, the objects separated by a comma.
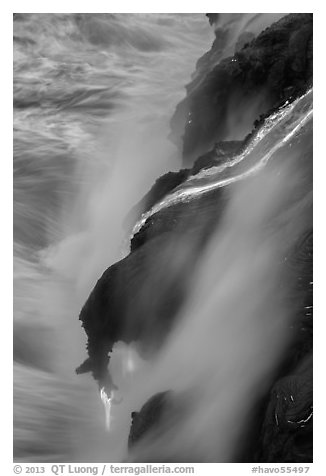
[
  {"x": 138, "y": 298},
  {"x": 223, "y": 102},
  {"x": 152, "y": 413},
  {"x": 286, "y": 433}
]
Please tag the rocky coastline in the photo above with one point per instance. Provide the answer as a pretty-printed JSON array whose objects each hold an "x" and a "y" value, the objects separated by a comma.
[{"x": 264, "y": 73}]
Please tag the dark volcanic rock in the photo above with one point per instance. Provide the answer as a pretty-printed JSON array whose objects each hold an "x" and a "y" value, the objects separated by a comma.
[
  {"x": 222, "y": 102},
  {"x": 138, "y": 298},
  {"x": 165, "y": 184},
  {"x": 149, "y": 417},
  {"x": 245, "y": 38},
  {"x": 221, "y": 152},
  {"x": 212, "y": 17},
  {"x": 287, "y": 429},
  {"x": 197, "y": 219}
]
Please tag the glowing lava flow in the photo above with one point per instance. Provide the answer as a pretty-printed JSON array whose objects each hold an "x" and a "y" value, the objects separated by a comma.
[
  {"x": 277, "y": 121},
  {"x": 128, "y": 367},
  {"x": 107, "y": 402}
]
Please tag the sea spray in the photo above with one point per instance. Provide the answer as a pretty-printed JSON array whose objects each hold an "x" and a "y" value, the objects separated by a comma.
[
  {"x": 85, "y": 150},
  {"x": 234, "y": 328}
]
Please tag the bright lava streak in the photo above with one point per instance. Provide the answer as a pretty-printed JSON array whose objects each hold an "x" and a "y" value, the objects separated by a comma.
[
  {"x": 107, "y": 402},
  {"x": 274, "y": 121}
]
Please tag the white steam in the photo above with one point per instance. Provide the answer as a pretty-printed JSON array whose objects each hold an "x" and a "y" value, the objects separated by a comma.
[{"x": 234, "y": 327}]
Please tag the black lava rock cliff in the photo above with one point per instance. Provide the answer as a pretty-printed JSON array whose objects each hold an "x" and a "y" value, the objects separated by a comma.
[{"x": 264, "y": 73}]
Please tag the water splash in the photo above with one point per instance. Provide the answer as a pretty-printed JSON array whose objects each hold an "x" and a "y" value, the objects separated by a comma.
[{"x": 83, "y": 103}]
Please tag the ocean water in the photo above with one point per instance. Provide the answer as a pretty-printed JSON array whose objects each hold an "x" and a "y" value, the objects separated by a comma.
[{"x": 93, "y": 96}]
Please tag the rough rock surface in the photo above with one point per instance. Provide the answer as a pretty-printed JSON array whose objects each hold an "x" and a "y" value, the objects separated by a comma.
[
  {"x": 222, "y": 103},
  {"x": 154, "y": 412}
]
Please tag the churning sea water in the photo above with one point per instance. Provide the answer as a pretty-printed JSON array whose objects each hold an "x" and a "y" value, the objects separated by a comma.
[{"x": 93, "y": 96}]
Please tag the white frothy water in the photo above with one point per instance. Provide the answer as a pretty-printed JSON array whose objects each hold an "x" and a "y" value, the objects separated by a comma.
[{"x": 93, "y": 96}]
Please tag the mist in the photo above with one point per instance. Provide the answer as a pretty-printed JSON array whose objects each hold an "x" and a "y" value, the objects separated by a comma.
[{"x": 234, "y": 328}]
